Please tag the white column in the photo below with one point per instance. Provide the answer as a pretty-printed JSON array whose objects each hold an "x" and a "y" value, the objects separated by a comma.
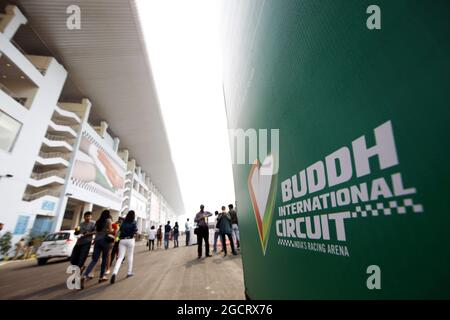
[
  {"x": 87, "y": 207},
  {"x": 12, "y": 20},
  {"x": 63, "y": 202},
  {"x": 77, "y": 217},
  {"x": 116, "y": 144}
]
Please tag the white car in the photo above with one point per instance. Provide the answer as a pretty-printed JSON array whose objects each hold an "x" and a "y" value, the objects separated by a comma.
[{"x": 56, "y": 245}]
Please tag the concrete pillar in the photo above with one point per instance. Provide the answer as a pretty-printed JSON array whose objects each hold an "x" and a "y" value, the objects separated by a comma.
[
  {"x": 116, "y": 144},
  {"x": 103, "y": 128},
  {"x": 11, "y": 21},
  {"x": 124, "y": 154},
  {"x": 115, "y": 215},
  {"x": 77, "y": 217},
  {"x": 132, "y": 165},
  {"x": 87, "y": 108}
]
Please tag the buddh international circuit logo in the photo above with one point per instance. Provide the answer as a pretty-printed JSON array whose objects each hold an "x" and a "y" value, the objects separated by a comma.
[{"x": 262, "y": 186}]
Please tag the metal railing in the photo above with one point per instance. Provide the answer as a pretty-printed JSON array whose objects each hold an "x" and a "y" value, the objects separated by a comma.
[
  {"x": 47, "y": 155},
  {"x": 65, "y": 123},
  {"x": 54, "y": 137},
  {"x": 67, "y": 113},
  {"x": 40, "y": 194},
  {"x": 55, "y": 127},
  {"x": 42, "y": 175}
]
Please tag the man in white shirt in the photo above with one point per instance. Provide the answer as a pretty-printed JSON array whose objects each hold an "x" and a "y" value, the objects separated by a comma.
[
  {"x": 187, "y": 231},
  {"x": 151, "y": 238}
]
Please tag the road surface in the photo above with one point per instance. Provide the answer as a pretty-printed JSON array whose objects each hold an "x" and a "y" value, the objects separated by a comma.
[{"x": 167, "y": 275}]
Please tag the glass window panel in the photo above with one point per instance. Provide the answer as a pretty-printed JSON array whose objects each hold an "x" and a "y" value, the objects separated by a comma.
[{"x": 9, "y": 130}]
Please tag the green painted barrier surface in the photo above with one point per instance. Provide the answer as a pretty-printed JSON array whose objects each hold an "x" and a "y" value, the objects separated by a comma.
[{"x": 356, "y": 202}]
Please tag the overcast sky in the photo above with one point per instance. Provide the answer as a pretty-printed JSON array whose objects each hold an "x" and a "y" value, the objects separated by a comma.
[{"x": 183, "y": 43}]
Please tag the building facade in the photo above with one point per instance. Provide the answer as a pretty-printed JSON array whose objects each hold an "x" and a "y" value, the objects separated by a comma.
[{"x": 55, "y": 164}]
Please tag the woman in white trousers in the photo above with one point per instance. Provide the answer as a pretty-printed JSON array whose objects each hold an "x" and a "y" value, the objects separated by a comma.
[{"x": 127, "y": 231}]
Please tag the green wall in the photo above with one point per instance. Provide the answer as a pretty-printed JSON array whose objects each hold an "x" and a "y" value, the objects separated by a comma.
[{"x": 313, "y": 70}]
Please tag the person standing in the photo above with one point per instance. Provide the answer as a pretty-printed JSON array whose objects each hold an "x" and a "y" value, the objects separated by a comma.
[
  {"x": 115, "y": 248},
  {"x": 115, "y": 227},
  {"x": 151, "y": 238},
  {"x": 20, "y": 248},
  {"x": 167, "y": 230},
  {"x": 234, "y": 224},
  {"x": 216, "y": 232},
  {"x": 86, "y": 230},
  {"x": 224, "y": 224},
  {"x": 159, "y": 237},
  {"x": 127, "y": 232},
  {"x": 102, "y": 245},
  {"x": 176, "y": 233},
  {"x": 201, "y": 218},
  {"x": 30, "y": 247},
  {"x": 187, "y": 231}
]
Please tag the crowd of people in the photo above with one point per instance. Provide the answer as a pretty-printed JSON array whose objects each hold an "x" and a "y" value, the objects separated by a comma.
[
  {"x": 170, "y": 233},
  {"x": 113, "y": 241},
  {"x": 23, "y": 248},
  {"x": 226, "y": 226}
]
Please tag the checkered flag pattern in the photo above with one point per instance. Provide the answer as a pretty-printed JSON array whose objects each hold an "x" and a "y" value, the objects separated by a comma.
[
  {"x": 285, "y": 242},
  {"x": 374, "y": 210}
]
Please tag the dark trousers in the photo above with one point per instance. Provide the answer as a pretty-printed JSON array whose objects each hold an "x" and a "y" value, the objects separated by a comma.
[
  {"x": 151, "y": 244},
  {"x": 175, "y": 240},
  {"x": 188, "y": 237},
  {"x": 101, "y": 247},
  {"x": 216, "y": 236},
  {"x": 203, "y": 234},
  {"x": 79, "y": 254},
  {"x": 224, "y": 244}
]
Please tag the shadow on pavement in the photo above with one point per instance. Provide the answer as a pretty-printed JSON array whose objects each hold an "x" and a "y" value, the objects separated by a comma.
[
  {"x": 29, "y": 264},
  {"x": 37, "y": 294},
  {"x": 221, "y": 258},
  {"x": 91, "y": 288},
  {"x": 194, "y": 262}
]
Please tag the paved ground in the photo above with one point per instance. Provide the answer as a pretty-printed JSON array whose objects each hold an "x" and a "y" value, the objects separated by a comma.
[{"x": 166, "y": 275}]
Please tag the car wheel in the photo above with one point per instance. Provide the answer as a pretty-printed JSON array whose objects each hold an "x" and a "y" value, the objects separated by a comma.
[{"x": 42, "y": 261}]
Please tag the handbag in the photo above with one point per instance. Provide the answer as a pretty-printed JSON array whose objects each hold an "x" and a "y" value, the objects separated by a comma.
[{"x": 196, "y": 230}]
